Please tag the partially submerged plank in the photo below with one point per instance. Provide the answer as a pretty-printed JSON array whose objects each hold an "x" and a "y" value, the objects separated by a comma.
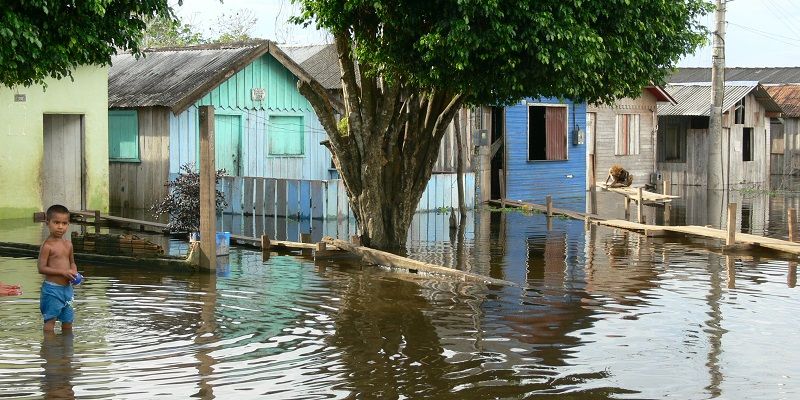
[
  {"x": 394, "y": 261},
  {"x": 274, "y": 244},
  {"x": 188, "y": 263}
]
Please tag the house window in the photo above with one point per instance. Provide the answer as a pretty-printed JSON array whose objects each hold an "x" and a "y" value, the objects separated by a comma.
[
  {"x": 547, "y": 133},
  {"x": 123, "y": 135},
  {"x": 747, "y": 144},
  {"x": 738, "y": 117},
  {"x": 627, "y": 138},
  {"x": 674, "y": 145},
  {"x": 286, "y": 135}
]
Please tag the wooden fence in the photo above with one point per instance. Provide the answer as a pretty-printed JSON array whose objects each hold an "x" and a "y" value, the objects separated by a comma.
[{"x": 324, "y": 199}]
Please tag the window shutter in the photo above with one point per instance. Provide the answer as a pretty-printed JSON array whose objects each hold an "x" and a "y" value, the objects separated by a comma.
[
  {"x": 123, "y": 135},
  {"x": 556, "y": 133},
  {"x": 286, "y": 135}
]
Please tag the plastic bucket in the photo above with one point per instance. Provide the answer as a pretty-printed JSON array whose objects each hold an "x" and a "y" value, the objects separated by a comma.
[{"x": 223, "y": 243}]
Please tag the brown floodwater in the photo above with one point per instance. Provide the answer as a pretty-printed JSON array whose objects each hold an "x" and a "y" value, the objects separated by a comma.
[{"x": 598, "y": 314}]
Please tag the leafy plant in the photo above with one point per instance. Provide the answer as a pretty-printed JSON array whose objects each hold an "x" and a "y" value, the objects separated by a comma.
[{"x": 182, "y": 204}]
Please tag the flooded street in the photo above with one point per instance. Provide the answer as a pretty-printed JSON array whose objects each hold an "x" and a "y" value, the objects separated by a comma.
[{"x": 602, "y": 313}]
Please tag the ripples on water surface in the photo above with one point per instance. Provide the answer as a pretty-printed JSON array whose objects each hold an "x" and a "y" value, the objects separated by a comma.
[{"x": 599, "y": 314}]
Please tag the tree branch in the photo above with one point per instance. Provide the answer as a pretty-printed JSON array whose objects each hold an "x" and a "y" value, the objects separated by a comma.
[{"x": 350, "y": 88}]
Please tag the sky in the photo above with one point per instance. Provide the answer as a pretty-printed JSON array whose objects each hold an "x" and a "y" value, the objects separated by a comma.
[{"x": 759, "y": 33}]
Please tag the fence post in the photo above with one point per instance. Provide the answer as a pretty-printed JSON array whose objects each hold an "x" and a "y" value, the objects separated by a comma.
[
  {"x": 208, "y": 195},
  {"x": 731, "y": 224},
  {"x": 639, "y": 218}
]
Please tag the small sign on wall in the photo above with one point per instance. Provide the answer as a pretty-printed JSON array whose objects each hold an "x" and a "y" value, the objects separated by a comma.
[
  {"x": 258, "y": 94},
  {"x": 20, "y": 98}
]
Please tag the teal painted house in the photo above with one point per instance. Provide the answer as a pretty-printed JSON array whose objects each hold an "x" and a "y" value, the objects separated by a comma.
[{"x": 264, "y": 128}]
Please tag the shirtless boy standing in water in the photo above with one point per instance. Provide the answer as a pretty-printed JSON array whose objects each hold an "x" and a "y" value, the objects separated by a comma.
[{"x": 57, "y": 264}]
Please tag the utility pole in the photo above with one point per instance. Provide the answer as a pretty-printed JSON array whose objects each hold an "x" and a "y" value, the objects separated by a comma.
[{"x": 715, "y": 167}]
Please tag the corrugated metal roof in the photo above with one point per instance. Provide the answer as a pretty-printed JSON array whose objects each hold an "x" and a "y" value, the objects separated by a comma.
[
  {"x": 165, "y": 77},
  {"x": 321, "y": 62},
  {"x": 302, "y": 53},
  {"x": 695, "y": 98},
  {"x": 765, "y": 75},
  {"x": 788, "y": 97}
]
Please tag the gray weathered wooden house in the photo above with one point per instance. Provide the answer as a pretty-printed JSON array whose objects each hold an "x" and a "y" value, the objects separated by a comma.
[
  {"x": 783, "y": 84},
  {"x": 624, "y": 133},
  {"x": 683, "y": 146}
]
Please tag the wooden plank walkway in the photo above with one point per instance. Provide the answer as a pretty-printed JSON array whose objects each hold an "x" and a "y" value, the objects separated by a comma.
[
  {"x": 784, "y": 246},
  {"x": 189, "y": 263},
  {"x": 633, "y": 194},
  {"x": 538, "y": 207},
  {"x": 746, "y": 239}
]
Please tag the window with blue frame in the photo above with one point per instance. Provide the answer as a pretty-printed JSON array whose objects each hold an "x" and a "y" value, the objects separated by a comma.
[
  {"x": 123, "y": 135},
  {"x": 286, "y": 135}
]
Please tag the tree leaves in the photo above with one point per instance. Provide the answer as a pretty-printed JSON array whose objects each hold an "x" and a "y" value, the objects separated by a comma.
[
  {"x": 497, "y": 51},
  {"x": 49, "y": 38}
]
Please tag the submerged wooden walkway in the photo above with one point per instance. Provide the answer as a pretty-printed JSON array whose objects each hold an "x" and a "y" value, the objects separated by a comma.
[
  {"x": 745, "y": 239},
  {"x": 733, "y": 240},
  {"x": 328, "y": 249}
]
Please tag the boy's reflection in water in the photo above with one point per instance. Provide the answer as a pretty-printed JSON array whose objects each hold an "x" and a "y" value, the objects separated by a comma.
[{"x": 57, "y": 352}]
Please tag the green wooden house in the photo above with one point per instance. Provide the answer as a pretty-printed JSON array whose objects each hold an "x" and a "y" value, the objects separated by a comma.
[{"x": 264, "y": 127}]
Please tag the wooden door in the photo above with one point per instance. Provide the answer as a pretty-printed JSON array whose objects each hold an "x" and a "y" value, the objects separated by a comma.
[
  {"x": 62, "y": 164},
  {"x": 227, "y": 148},
  {"x": 556, "y": 120}
]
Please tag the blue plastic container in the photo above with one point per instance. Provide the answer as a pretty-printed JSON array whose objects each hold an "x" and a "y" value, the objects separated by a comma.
[{"x": 223, "y": 243}]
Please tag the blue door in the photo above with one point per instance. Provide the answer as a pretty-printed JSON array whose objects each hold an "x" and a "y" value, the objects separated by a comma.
[{"x": 228, "y": 133}]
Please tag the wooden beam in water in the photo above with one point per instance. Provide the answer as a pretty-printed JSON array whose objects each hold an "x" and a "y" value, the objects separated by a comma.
[
  {"x": 731, "y": 239},
  {"x": 394, "y": 261}
]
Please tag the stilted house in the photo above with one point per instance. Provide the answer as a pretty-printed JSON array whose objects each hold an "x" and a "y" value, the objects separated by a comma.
[
  {"x": 539, "y": 149},
  {"x": 55, "y": 144},
  {"x": 683, "y": 141},
  {"x": 783, "y": 84},
  {"x": 322, "y": 63},
  {"x": 624, "y": 133}
]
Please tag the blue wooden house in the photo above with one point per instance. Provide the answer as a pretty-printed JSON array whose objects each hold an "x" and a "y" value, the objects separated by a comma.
[{"x": 540, "y": 150}]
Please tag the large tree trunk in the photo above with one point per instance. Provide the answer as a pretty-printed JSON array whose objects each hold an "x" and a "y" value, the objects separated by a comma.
[{"x": 386, "y": 150}]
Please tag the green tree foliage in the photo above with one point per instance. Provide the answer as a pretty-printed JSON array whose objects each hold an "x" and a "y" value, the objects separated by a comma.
[
  {"x": 49, "y": 38},
  {"x": 496, "y": 51},
  {"x": 163, "y": 31}
]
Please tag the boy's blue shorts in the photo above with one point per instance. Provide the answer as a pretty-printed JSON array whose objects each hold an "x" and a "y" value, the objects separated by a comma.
[{"x": 56, "y": 302}]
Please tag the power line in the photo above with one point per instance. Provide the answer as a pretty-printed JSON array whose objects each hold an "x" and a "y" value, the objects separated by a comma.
[{"x": 783, "y": 39}]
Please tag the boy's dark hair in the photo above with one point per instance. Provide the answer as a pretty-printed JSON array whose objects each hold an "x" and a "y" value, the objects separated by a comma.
[{"x": 56, "y": 209}]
